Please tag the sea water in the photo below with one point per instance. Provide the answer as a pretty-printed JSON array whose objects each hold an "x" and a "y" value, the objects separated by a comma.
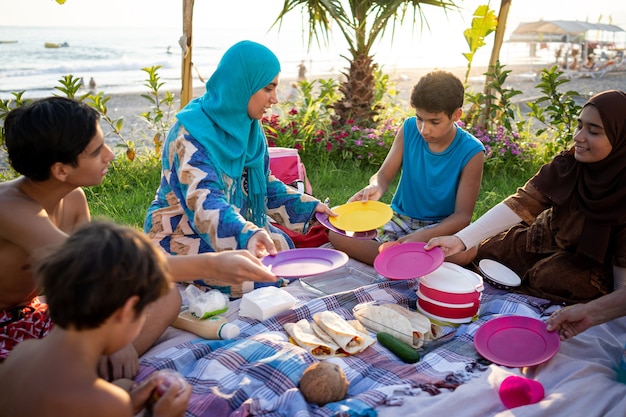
[{"x": 114, "y": 57}]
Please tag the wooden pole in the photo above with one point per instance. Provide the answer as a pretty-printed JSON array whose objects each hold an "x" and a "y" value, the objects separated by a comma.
[
  {"x": 185, "y": 43},
  {"x": 503, "y": 15}
]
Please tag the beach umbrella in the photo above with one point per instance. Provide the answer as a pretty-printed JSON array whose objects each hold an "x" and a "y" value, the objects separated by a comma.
[{"x": 186, "y": 93}]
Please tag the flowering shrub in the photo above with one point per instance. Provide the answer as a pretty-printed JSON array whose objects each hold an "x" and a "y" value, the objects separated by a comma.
[
  {"x": 502, "y": 146},
  {"x": 341, "y": 142}
]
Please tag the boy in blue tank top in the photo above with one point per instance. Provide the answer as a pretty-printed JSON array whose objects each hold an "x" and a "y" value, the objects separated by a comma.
[{"x": 440, "y": 167}]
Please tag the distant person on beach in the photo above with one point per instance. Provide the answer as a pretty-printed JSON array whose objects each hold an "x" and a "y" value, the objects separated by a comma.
[
  {"x": 301, "y": 71},
  {"x": 217, "y": 192},
  {"x": 564, "y": 231},
  {"x": 99, "y": 283},
  {"x": 440, "y": 166},
  {"x": 57, "y": 146},
  {"x": 92, "y": 85},
  {"x": 294, "y": 92}
]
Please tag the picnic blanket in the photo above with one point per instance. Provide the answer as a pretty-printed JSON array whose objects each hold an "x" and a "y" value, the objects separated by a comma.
[{"x": 258, "y": 372}]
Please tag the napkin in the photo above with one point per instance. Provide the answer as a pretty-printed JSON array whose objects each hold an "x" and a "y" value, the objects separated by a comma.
[{"x": 265, "y": 302}]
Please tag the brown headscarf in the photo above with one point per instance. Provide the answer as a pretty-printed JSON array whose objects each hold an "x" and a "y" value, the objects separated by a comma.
[{"x": 599, "y": 187}]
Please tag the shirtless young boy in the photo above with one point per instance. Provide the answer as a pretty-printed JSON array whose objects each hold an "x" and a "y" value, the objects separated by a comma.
[
  {"x": 58, "y": 147},
  {"x": 98, "y": 285}
]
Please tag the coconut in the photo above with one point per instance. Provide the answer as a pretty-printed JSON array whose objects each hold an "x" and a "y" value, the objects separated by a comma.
[{"x": 324, "y": 383}]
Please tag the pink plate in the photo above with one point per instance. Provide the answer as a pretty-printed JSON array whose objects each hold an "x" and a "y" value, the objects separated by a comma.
[
  {"x": 516, "y": 341},
  {"x": 408, "y": 261},
  {"x": 302, "y": 262},
  {"x": 323, "y": 219}
]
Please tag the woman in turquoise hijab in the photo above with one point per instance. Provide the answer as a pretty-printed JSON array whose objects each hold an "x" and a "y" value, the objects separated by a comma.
[{"x": 216, "y": 190}]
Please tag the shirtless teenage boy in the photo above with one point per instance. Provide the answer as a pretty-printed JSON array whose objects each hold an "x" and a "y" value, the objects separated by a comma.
[
  {"x": 57, "y": 374},
  {"x": 58, "y": 146}
]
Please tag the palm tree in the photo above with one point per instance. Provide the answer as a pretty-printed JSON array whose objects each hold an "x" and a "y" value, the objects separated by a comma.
[{"x": 361, "y": 22}]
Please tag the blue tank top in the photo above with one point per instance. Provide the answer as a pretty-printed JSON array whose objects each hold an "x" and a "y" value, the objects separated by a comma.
[{"x": 429, "y": 180}]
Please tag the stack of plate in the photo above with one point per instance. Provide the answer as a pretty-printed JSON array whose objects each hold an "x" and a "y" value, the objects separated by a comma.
[{"x": 498, "y": 275}]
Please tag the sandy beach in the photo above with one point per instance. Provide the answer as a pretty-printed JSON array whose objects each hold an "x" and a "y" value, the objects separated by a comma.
[{"x": 522, "y": 77}]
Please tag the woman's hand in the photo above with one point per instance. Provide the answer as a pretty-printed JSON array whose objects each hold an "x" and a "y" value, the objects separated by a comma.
[
  {"x": 261, "y": 244},
  {"x": 323, "y": 208},
  {"x": 569, "y": 321},
  {"x": 449, "y": 244}
]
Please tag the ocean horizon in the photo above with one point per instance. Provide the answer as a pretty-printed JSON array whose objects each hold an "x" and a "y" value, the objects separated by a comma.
[{"x": 114, "y": 57}]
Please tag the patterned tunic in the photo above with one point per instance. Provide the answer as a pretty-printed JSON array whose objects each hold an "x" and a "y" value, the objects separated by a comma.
[{"x": 194, "y": 213}]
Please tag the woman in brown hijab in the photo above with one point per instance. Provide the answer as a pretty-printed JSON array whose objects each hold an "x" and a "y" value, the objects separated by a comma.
[{"x": 564, "y": 231}]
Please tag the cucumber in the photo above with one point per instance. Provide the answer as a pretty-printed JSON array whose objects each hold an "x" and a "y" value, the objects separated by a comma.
[{"x": 404, "y": 351}]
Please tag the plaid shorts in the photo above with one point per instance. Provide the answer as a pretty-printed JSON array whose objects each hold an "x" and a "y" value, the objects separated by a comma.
[
  {"x": 399, "y": 226},
  {"x": 20, "y": 323}
]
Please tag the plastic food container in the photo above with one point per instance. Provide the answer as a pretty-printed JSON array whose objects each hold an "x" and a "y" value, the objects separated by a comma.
[
  {"x": 452, "y": 284},
  {"x": 447, "y": 311},
  {"x": 444, "y": 321}
]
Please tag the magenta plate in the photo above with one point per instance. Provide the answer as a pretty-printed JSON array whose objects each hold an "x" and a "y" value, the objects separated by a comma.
[
  {"x": 516, "y": 341},
  {"x": 296, "y": 263},
  {"x": 323, "y": 219},
  {"x": 408, "y": 261}
]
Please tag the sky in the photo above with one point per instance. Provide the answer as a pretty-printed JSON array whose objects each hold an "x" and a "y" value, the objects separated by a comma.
[
  {"x": 256, "y": 16},
  {"x": 256, "y": 12}
]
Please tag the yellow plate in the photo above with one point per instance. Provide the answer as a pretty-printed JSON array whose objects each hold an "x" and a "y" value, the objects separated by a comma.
[{"x": 361, "y": 217}]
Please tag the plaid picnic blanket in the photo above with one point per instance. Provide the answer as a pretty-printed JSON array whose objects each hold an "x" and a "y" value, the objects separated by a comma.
[{"x": 258, "y": 373}]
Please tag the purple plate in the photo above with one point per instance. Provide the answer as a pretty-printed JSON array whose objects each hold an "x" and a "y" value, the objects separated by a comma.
[
  {"x": 323, "y": 219},
  {"x": 302, "y": 262}
]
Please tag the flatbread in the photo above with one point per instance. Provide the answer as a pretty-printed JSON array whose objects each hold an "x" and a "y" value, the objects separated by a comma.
[
  {"x": 418, "y": 320},
  {"x": 409, "y": 326},
  {"x": 303, "y": 334},
  {"x": 349, "y": 339}
]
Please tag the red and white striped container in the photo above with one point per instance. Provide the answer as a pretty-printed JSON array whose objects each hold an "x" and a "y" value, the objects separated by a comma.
[{"x": 450, "y": 293}]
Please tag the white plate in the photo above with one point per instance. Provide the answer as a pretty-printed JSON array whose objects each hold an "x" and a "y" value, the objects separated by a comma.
[{"x": 499, "y": 273}]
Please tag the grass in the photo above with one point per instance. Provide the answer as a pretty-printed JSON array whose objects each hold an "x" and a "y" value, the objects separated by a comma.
[{"x": 129, "y": 187}]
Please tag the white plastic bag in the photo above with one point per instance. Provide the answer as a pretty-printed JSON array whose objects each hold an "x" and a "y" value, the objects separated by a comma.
[{"x": 205, "y": 304}]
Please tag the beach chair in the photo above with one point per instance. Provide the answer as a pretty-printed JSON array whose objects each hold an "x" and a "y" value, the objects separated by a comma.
[{"x": 286, "y": 165}]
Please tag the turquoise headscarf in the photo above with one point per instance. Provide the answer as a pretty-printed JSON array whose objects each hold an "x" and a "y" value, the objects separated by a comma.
[{"x": 219, "y": 120}]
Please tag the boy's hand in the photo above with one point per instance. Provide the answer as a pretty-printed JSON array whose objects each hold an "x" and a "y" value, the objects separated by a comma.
[
  {"x": 241, "y": 266},
  {"x": 122, "y": 364},
  {"x": 173, "y": 402},
  {"x": 371, "y": 192},
  {"x": 140, "y": 393}
]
